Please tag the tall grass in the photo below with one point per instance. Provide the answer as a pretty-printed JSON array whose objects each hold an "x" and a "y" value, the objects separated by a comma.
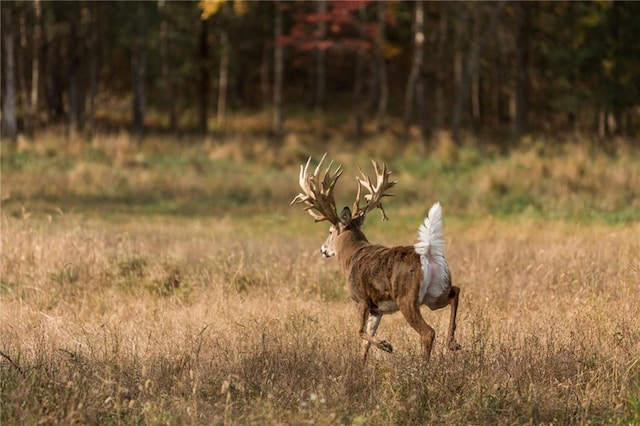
[
  {"x": 173, "y": 321},
  {"x": 176, "y": 286}
]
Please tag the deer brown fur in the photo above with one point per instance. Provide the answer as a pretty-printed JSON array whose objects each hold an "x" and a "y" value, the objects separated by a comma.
[{"x": 382, "y": 280}]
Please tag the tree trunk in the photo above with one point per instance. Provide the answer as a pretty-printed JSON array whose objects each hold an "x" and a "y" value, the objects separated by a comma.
[
  {"x": 440, "y": 72},
  {"x": 381, "y": 68},
  {"x": 522, "y": 66},
  {"x": 320, "y": 54},
  {"x": 204, "y": 78},
  {"x": 9, "y": 122},
  {"x": 475, "y": 100},
  {"x": 223, "y": 84},
  {"x": 358, "y": 88},
  {"x": 21, "y": 72},
  {"x": 265, "y": 62},
  {"x": 170, "y": 103},
  {"x": 357, "y": 93},
  {"x": 138, "y": 64},
  {"x": 139, "y": 71},
  {"x": 53, "y": 76},
  {"x": 93, "y": 12},
  {"x": 73, "y": 95},
  {"x": 278, "y": 65},
  {"x": 264, "y": 76},
  {"x": 416, "y": 63},
  {"x": 422, "y": 89},
  {"x": 462, "y": 93},
  {"x": 461, "y": 73},
  {"x": 35, "y": 62}
]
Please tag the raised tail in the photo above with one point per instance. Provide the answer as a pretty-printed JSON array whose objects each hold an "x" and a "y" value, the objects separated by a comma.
[{"x": 430, "y": 242}]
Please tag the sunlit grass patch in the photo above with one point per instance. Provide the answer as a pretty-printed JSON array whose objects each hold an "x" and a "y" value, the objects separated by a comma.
[
  {"x": 249, "y": 176},
  {"x": 207, "y": 320}
]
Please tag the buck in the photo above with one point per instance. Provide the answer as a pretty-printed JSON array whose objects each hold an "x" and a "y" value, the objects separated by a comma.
[{"x": 382, "y": 280}]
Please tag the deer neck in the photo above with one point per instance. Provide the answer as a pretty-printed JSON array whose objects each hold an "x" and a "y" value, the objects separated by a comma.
[{"x": 349, "y": 243}]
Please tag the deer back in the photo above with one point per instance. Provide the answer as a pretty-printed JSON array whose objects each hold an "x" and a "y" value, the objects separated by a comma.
[{"x": 376, "y": 273}]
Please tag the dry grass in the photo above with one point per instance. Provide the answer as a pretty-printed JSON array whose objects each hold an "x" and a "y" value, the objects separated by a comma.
[
  {"x": 170, "y": 283},
  {"x": 164, "y": 320}
]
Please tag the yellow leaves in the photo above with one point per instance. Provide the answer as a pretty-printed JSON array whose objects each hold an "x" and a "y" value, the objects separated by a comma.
[
  {"x": 390, "y": 50},
  {"x": 596, "y": 15},
  {"x": 240, "y": 7},
  {"x": 211, "y": 7},
  {"x": 591, "y": 20},
  {"x": 607, "y": 66}
]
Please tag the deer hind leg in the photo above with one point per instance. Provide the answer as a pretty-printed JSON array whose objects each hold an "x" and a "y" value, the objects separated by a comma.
[
  {"x": 411, "y": 312},
  {"x": 449, "y": 298},
  {"x": 454, "y": 295},
  {"x": 364, "y": 331},
  {"x": 372, "y": 325}
]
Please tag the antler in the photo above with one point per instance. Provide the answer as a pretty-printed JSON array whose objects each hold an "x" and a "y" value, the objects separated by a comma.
[
  {"x": 376, "y": 193},
  {"x": 317, "y": 191}
]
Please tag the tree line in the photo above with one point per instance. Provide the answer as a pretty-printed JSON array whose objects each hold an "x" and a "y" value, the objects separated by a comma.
[{"x": 438, "y": 66}]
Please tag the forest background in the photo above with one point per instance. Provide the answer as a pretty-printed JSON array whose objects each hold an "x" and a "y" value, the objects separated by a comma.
[
  {"x": 485, "y": 68},
  {"x": 153, "y": 272}
]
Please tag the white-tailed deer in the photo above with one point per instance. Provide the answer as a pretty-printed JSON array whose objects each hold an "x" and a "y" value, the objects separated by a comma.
[{"x": 382, "y": 280}]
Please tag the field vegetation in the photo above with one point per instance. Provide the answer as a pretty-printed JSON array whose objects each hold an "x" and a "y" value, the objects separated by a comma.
[{"x": 169, "y": 282}]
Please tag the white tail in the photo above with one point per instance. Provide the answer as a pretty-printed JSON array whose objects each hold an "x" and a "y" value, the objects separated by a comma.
[
  {"x": 382, "y": 280},
  {"x": 436, "y": 279},
  {"x": 430, "y": 241}
]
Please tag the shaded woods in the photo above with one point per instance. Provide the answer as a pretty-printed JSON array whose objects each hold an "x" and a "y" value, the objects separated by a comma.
[{"x": 176, "y": 67}]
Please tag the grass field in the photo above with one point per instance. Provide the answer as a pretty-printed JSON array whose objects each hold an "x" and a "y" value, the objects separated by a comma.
[{"x": 173, "y": 284}]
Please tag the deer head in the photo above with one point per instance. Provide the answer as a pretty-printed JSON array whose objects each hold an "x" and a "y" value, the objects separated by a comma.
[{"x": 317, "y": 195}]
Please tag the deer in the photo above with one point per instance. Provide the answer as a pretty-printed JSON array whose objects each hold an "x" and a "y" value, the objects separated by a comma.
[{"x": 381, "y": 280}]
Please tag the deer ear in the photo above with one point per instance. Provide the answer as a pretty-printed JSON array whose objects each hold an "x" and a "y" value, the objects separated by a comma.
[{"x": 345, "y": 216}]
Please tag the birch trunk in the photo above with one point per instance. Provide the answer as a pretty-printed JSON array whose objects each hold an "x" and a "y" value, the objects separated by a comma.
[
  {"x": 35, "y": 62},
  {"x": 416, "y": 63},
  {"x": 320, "y": 54},
  {"x": 9, "y": 122},
  {"x": 203, "y": 96},
  {"x": 278, "y": 72},
  {"x": 223, "y": 82},
  {"x": 381, "y": 68}
]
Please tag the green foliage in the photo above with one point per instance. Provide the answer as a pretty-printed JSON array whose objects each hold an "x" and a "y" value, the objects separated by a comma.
[
  {"x": 541, "y": 178},
  {"x": 592, "y": 55}
]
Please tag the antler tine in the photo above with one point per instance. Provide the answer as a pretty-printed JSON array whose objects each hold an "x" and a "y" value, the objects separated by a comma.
[
  {"x": 329, "y": 181},
  {"x": 376, "y": 193},
  {"x": 317, "y": 191},
  {"x": 315, "y": 172}
]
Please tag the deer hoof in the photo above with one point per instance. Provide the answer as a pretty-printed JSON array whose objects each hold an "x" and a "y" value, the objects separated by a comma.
[
  {"x": 386, "y": 346},
  {"x": 454, "y": 346}
]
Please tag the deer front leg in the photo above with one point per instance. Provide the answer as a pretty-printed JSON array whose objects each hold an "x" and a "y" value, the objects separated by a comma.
[
  {"x": 363, "y": 332},
  {"x": 454, "y": 294},
  {"x": 372, "y": 325}
]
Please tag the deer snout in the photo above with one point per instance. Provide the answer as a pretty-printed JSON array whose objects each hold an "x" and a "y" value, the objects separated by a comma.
[{"x": 325, "y": 252}]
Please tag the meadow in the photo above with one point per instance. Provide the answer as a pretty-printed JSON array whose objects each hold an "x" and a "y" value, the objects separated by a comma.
[{"x": 172, "y": 283}]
